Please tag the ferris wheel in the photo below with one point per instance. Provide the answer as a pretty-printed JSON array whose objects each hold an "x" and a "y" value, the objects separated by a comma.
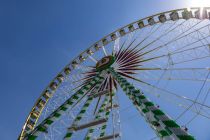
[{"x": 158, "y": 64}]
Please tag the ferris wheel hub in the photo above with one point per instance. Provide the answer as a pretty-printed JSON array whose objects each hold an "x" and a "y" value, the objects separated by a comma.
[{"x": 105, "y": 63}]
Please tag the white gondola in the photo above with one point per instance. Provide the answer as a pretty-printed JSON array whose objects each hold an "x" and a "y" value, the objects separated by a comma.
[
  {"x": 60, "y": 78},
  {"x": 105, "y": 41},
  {"x": 162, "y": 18},
  {"x": 187, "y": 14},
  {"x": 174, "y": 16},
  {"x": 151, "y": 21},
  {"x": 47, "y": 95},
  {"x": 97, "y": 47},
  {"x": 90, "y": 52},
  {"x": 34, "y": 114},
  {"x": 141, "y": 24},
  {"x": 53, "y": 86},
  {"x": 122, "y": 32},
  {"x": 41, "y": 103},
  {"x": 67, "y": 71},
  {"x": 30, "y": 124},
  {"x": 131, "y": 28},
  {"x": 113, "y": 36},
  {"x": 74, "y": 64},
  {"x": 81, "y": 58}
]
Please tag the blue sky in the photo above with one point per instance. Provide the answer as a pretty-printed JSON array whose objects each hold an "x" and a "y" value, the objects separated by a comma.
[{"x": 38, "y": 38}]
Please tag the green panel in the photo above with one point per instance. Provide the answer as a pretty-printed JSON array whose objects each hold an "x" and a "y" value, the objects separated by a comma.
[
  {"x": 169, "y": 131},
  {"x": 145, "y": 110},
  {"x": 121, "y": 84},
  {"x": 49, "y": 121},
  {"x": 107, "y": 113},
  {"x": 75, "y": 97},
  {"x": 156, "y": 118},
  {"x": 136, "y": 91},
  {"x": 112, "y": 94},
  {"x": 57, "y": 115},
  {"x": 103, "y": 127},
  {"x": 63, "y": 108},
  {"x": 141, "y": 97},
  {"x": 102, "y": 134},
  {"x": 32, "y": 137},
  {"x": 68, "y": 135},
  {"x": 131, "y": 87},
  {"x": 124, "y": 88},
  {"x": 82, "y": 111},
  {"x": 148, "y": 104},
  {"x": 81, "y": 92},
  {"x": 86, "y": 105},
  {"x": 130, "y": 93},
  {"x": 163, "y": 133},
  {"x": 70, "y": 102},
  {"x": 42, "y": 129},
  {"x": 124, "y": 81},
  {"x": 186, "y": 137},
  {"x": 91, "y": 130},
  {"x": 158, "y": 112},
  {"x": 170, "y": 123},
  {"x": 86, "y": 88},
  {"x": 127, "y": 84},
  {"x": 87, "y": 138},
  {"x": 78, "y": 118}
]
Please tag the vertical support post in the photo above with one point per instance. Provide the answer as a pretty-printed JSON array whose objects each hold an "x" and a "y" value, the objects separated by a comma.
[{"x": 164, "y": 126}]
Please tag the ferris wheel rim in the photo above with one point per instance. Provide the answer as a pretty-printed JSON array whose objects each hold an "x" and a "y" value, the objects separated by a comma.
[{"x": 98, "y": 45}]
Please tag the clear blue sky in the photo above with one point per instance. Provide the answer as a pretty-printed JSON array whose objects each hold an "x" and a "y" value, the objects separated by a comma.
[{"x": 39, "y": 37}]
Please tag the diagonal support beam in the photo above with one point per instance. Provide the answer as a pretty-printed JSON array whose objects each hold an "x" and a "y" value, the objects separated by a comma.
[
  {"x": 70, "y": 130},
  {"x": 74, "y": 126},
  {"x": 107, "y": 113},
  {"x": 98, "y": 116},
  {"x": 43, "y": 126},
  {"x": 164, "y": 126},
  {"x": 103, "y": 110}
]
